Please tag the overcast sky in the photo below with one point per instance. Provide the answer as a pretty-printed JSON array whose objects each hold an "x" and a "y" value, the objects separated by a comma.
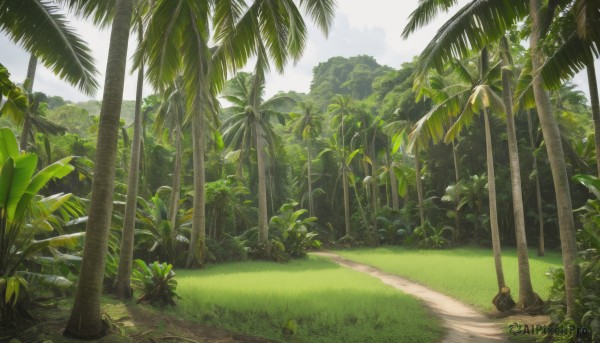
[{"x": 372, "y": 29}]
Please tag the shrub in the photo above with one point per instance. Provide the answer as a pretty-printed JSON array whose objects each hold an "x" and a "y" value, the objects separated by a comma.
[
  {"x": 229, "y": 249},
  {"x": 292, "y": 231},
  {"x": 156, "y": 281}
]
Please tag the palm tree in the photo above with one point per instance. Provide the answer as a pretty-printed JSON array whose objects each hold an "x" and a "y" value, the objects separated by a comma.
[
  {"x": 86, "y": 320},
  {"x": 480, "y": 99},
  {"x": 538, "y": 191},
  {"x": 171, "y": 114},
  {"x": 340, "y": 107},
  {"x": 527, "y": 297},
  {"x": 264, "y": 29},
  {"x": 247, "y": 125},
  {"x": 307, "y": 126},
  {"x": 574, "y": 35},
  {"x": 556, "y": 157},
  {"x": 122, "y": 287},
  {"x": 462, "y": 33}
]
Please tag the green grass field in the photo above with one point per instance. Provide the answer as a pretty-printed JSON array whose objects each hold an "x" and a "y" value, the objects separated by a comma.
[
  {"x": 466, "y": 274},
  {"x": 327, "y": 302}
]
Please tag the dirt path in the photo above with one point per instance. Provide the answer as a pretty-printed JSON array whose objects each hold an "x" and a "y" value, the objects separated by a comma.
[{"x": 462, "y": 322}]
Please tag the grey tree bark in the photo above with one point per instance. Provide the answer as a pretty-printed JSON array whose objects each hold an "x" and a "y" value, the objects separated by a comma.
[
  {"x": 86, "y": 319},
  {"x": 556, "y": 157}
]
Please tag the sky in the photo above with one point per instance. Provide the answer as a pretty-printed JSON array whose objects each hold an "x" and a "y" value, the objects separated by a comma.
[{"x": 359, "y": 29}]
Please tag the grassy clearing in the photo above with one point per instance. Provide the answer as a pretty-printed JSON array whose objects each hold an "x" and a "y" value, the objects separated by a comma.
[
  {"x": 329, "y": 303},
  {"x": 466, "y": 274}
]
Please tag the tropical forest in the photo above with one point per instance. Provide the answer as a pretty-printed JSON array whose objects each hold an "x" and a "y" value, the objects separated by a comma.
[{"x": 299, "y": 171}]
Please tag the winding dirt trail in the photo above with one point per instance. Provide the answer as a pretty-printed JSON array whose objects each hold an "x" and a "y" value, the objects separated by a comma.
[{"x": 462, "y": 322}]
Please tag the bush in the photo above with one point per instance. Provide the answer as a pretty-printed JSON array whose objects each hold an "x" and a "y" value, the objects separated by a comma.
[
  {"x": 289, "y": 229},
  {"x": 156, "y": 281},
  {"x": 229, "y": 249},
  {"x": 587, "y": 312}
]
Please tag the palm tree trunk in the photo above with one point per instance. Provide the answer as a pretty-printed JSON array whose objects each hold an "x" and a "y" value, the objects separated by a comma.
[
  {"x": 122, "y": 283},
  {"x": 419, "y": 185},
  {"x": 492, "y": 199},
  {"x": 311, "y": 205},
  {"x": 31, "y": 68},
  {"x": 360, "y": 207},
  {"x": 457, "y": 223},
  {"x": 86, "y": 319},
  {"x": 591, "y": 74},
  {"x": 174, "y": 205},
  {"x": 556, "y": 156},
  {"x": 263, "y": 230},
  {"x": 393, "y": 181},
  {"x": 197, "y": 254},
  {"x": 538, "y": 191},
  {"x": 374, "y": 190},
  {"x": 346, "y": 201},
  {"x": 527, "y": 297}
]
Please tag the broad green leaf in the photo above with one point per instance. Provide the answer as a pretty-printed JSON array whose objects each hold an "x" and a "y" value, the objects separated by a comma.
[
  {"x": 24, "y": 166},
  {"x": 8, "y": 145},
  {"x": 69, "y": 241},
  {"x": 591, "y": 182},
  {"x": 351, "y": 156}
]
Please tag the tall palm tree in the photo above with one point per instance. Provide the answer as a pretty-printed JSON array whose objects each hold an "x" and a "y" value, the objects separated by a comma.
[
  {"x": 572, "y": 29},
  {"x": 527, "y": 297},
  {"x": 86, "y": 320},
  {"x": 464, "y": 32},
  {"x": 482, "y": 99},
  {"x": 306, "y": 126},
  {"x": 170, "y": 116},
  {"x": 538, "y": 191},
  {"x": 265, "y": 28},
  {"x": 340, "y": 107},
  {"x": 556, "y": 157},
  {"x": 475, "y": 96},
  {"x": 122, "y": 286},
  {"x": 247, "y": 125}
]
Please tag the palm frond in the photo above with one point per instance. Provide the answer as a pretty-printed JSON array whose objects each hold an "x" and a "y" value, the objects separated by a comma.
[
  {"x": 321, "y": 11},
  {"x": 570, "y": 58},
  {"x": 42, "y": 30},
  {"x": 433, "y": 125},
  {"x": 476, "y": 25},
  {"x": 425, "y": 13},
  {"x": 523, "y": 96}
]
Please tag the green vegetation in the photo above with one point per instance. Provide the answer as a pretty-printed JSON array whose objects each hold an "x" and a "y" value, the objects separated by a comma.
[
  {"x": 469, "y": 145},
  {"x": 307, "y": 300},
  {"x": 464, "y": 273}
]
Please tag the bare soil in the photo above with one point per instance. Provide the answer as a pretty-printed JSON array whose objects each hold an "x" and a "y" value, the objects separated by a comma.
[{"x": 128, "y": 323}]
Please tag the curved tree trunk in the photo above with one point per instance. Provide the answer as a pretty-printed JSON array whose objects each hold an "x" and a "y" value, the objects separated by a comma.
[
  {"x": 492, "y": 199},
  {"x": 593, "y": 84},
  {"x": 311, "y": 205},
  {"x": 419, "y": 185},
  {"x": 527, "y": 297},
  {"x": 556, "y": 156},
  {"x": 174, "y": 204},
  {"x": 457, "y": 231},
  {"x": 263, "y": 229},
  {"x": 393, "y": 181},
  {"x": 538, "y": 191},
  {"x": 86, "y": 319},
  {"x": 31, "y": 68},
  {"x": 122, "y": 283},
  {"x": 346, "y": 201},
  {"x": 197, "y": 252}
]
